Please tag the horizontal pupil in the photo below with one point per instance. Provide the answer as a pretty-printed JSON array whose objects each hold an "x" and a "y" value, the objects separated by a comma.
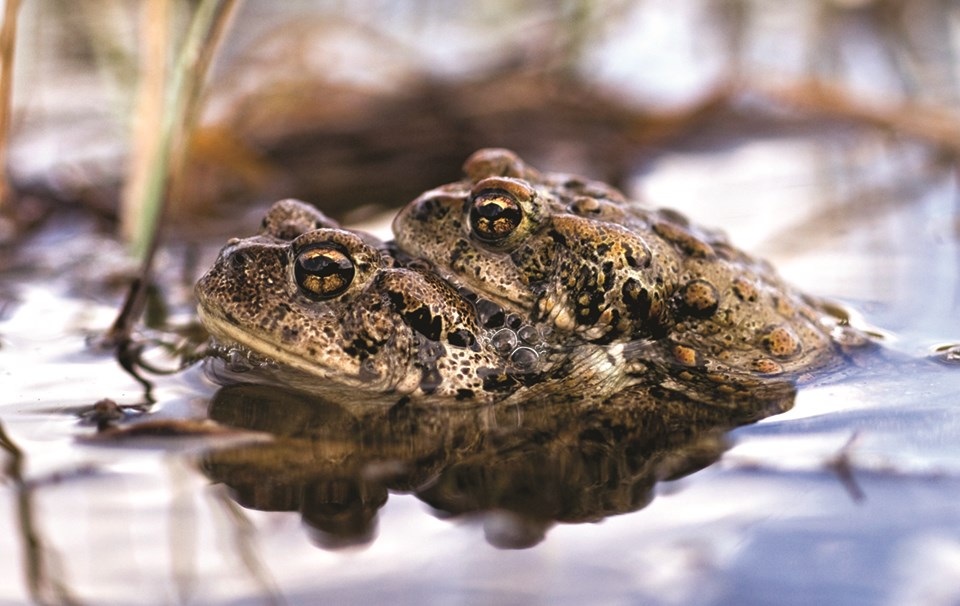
[
  {"x": 321, "y": 264},
  {"x": 323, "y": 273},
  {"x": 494, "y": 208}
]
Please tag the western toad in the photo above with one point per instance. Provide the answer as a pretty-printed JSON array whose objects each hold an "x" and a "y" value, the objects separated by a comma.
[
  {"x": 356, "y": 319},
  {"x": 576, "y": 256}
]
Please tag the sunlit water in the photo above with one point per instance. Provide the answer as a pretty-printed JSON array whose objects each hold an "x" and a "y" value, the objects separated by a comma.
[{"x": 848, "y": 498}]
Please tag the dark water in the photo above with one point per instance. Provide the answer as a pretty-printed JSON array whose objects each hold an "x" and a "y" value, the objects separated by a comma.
[{"x": 848, "y": 498}]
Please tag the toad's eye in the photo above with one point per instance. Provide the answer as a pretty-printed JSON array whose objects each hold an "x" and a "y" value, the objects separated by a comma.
[
  {"x": 494, "y": 215},
  {"x": 323, "y": 272}
]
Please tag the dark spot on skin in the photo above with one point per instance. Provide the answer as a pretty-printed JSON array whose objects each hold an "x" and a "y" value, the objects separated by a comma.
[
  {"x": 699, "y": 299},
  {"x": 557, "y": 237},
  {"x": 635, "y": 260},
  {"x": 363, "y": 347},
  {"x": 495, "y": 380},
  {"x": 588, "y": 307},
  {"x": 464, "y": 394},
  {"x": 608, "y": 280},
  {"x": 534, "y": 262},
  {"x": 429, "y": 209},
  {"x": 419, "y": 318},
  {"x": 459, "y": 248},
  {"x": 428, "y": 352},
  {"x": 289, "y": 334},
  {"x": 588, "y": 296},
  {"x": 637, "y": 299},
  {"x": 745, "y": 290},
  {"x": 462, "y": 338},
  {"x": 467, "y": 294}
]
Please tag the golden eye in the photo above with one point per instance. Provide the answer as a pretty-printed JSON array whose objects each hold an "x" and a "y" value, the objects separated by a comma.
[
  {"x": 494, "y": 215},
  {"x": 323, "y": 272}
]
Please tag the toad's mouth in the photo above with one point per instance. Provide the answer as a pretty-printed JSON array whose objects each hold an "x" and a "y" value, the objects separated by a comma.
[{"x": 261, "y": 354}]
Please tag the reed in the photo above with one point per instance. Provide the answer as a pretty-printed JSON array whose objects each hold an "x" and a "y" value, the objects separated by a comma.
[
  {"x": 168, "y": 107},
  {"x": 8, "y": 40}
]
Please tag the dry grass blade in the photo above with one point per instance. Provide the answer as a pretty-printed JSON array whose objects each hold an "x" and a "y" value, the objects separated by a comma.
[
  {"x": 150, "y": 187},
  {"x": 8, "y": 39},
  {"x": 164, "y": 157},
  {"x": 148, "y": 114}
]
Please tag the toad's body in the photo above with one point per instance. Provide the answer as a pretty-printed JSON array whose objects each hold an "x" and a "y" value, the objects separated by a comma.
[
  {"x": 576, "y": 256},
  {"x": 512, "y": 284}
]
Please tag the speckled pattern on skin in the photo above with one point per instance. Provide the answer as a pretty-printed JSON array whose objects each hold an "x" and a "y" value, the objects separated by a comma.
[
  {"x": 512, "y": 285},
  {"x": 575, "y": 255},
  {"x": 364, "y": 321}
]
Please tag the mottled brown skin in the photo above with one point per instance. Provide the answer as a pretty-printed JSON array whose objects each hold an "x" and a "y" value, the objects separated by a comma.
[
  {"x": 576, "y": 256},
  {"x": 391, "y": 330}
]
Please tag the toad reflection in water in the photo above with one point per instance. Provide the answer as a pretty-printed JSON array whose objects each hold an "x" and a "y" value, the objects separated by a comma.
[{"x": 529, "y": 465}]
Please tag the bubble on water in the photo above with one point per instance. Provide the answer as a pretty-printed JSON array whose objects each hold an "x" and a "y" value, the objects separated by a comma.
[
  {"x": 504, "y": 341},
  {"x": 525, "y": 358},
  {"x": 239, "y": 361},
  {"x": 491, "y": 315},
  {"x": 529, "y": 334},
  {"x": 237, "y": 358}
]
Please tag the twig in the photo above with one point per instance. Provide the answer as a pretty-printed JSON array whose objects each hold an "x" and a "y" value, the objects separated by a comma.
[
  {"x": 46, "y": 586},
  {"x": 841, "y": 465}
]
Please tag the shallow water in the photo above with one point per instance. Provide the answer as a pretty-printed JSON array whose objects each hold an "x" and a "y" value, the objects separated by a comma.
[{"x": 848, "y": 498}]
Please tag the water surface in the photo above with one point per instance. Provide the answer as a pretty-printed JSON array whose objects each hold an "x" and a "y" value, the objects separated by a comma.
[{"x": 847, "y": 498}]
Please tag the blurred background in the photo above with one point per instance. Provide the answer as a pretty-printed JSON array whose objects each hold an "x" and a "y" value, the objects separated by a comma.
[{"x": 359, "y": 106}]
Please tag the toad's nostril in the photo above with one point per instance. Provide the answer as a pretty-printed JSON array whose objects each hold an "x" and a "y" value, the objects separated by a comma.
[{"x": 238, "y": 260}]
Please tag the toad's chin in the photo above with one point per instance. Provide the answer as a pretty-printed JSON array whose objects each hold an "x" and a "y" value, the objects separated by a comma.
[{"x": 242, "y": 357}]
